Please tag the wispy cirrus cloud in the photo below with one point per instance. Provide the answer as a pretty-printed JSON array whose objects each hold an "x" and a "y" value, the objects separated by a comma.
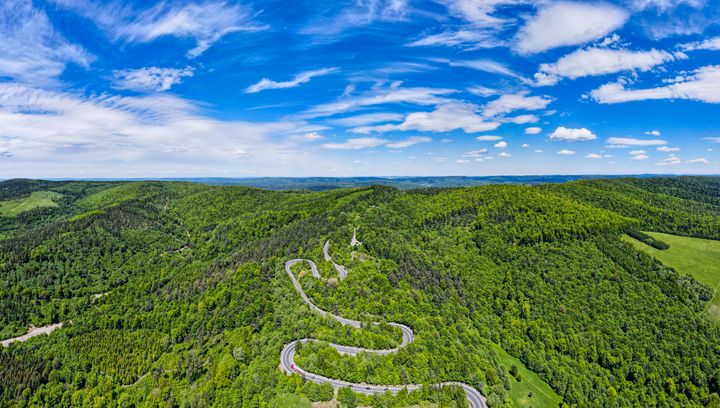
[
  {"x": 470, "y": 39},
  {"x": 205, "y": 22},
  {"x": 31, "y": 50},
  {"x": 299, "y": 79},
  {"x": 484, "y": 65},
  {"x": 445, "y": 118},
  {"x": 366, "y": 119},
  {"x": 356, "y": 143},
  {"x": 481, "y": 28},
  {"x": 410, "y": 141},
  {"x": 356, "y": 14},
  {"x": 394, "y": 94},
  {"x": 620, "y": 142},
  {"x": 150, "y": 78},
  {"x": 664, "y": 5},
  {"x": 68, "y": 128}
]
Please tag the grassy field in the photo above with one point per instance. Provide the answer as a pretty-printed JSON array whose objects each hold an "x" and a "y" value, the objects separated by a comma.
[
  {"x": 11, "y": 208},
  {"x": 531, "y": 390},
  {"x": 694, "y": 256}
]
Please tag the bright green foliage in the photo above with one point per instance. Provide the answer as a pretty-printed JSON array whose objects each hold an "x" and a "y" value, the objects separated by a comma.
[
  {"x": 699, "y": 258},
  {"x": 37, "y": 199},
  {"x": 684, "y": 206},
  {"x": 527, "y": 293}
]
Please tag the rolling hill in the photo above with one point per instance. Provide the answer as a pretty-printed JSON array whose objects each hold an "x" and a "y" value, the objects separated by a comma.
[{"x": 175, "y": 294}]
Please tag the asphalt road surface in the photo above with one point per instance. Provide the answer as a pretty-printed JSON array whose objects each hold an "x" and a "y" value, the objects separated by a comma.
[
  {"x": 342, "y": 272},
  {"x": 287, "y": 361}
]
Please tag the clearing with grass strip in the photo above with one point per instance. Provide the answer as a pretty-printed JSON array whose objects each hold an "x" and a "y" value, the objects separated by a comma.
[
  {"x": 697, "y": 257},
  {"x": 37, "y": 199}
]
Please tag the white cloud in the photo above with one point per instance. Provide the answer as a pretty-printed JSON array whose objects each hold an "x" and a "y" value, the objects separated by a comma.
[
  {"x": 445, "y": 118},
  {"x": 356, "y": 143},
  {"x": 523, "y": 119},
  {"x": 538, "y": 151},
  {"x": 500, "y": 145},
  {"x": 205, "y": 23},
  {"x": 669, "y": 161},
  {"x": 504, "y": 154},
  {"x": 593, "y": 156},
  {"x": 630, "y": 141},
  {"x": 601, "y": 61},
  {"x": 664, "y": 5},
  {"x": 667, "y": 149},
  {"x": 712, "y": 139},
  {"x": 367, "y": 119},
  {"x": 533, "y": 130},
  {"x": 385, "y": 96},
  {"x": 483, "y": 26},
  {"x": 511, "y": 102},
  {"x": 312, "y": 136},
  {"x": 410, "y": 141},
  {"x": 470, "y": 39},
  {"x": 31, "y": 51},
  {"x": 299, "y": 79},
  {"x": 698, "y": 161},
  {"x": 702, "y": 85},
  {"x": 711, "y": 44},
  {"x": 462, "y": 161},
  {"x": 484, "y": 65},
  {"x": 109, "y": 132},
  {"x": 481, "y": 13},
  {"x": 639, "y": 155},
  {"x": 476, "y": 153},
  {"x": 150, "y": 78},
  {"x": 488, "y": 138},
  {"x": 482, "y": 91},
  {"x": 653, "y": 133},
  {"x": 369, "y": 142},
  {"x": 525, "y": 145},
  {"x": 356, "y": 14},
  {"x": 570, "y": 134},
  {"x": 566, "y": 152},
  {"x": 568, "y": 23}
]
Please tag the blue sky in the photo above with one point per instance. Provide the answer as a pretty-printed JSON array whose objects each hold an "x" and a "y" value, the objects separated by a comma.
[{"x": 369, "y": 87}]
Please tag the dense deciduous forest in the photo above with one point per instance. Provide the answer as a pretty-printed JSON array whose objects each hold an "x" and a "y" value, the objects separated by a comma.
[{"x": 196, "y": 306}]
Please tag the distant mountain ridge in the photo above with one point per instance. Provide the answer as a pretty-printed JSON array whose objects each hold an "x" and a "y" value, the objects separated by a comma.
[{"x": 401, "y": 182}]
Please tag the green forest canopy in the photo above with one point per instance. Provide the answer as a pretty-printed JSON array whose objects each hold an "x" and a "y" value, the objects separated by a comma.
[{"x": 490, "y": 277}]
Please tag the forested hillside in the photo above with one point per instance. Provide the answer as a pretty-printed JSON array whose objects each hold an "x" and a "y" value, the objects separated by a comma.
[{"x": 174, "y": 294}]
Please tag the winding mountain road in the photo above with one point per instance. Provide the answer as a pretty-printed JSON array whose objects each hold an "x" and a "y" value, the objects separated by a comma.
[
  {"x": 287, "y": 361},
  {"x": 342, "y": 272}
]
